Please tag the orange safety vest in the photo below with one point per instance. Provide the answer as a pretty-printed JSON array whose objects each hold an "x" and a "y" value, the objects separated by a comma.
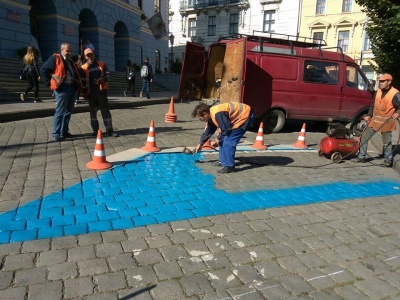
[
  {"x": 58, "y": 76},
  {"x": 103, "y": 86},
  {"x": 384, "y": 109},
  {"x": 238, "y": 113}
]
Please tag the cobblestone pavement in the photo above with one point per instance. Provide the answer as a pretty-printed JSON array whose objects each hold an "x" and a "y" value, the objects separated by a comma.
[{"x": 346, "y": 249}]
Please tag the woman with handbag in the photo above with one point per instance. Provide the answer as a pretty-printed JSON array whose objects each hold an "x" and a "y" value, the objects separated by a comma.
[
  {"x": 32, "y": 74},
  {"x": 130, "y": 77}
]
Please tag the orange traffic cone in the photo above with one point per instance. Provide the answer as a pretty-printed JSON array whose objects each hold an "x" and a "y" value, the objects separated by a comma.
[
  {"x": 151, "y": 140},
  {"x": 301, "y": 139},
  {"x": 170, "y": 116},
  {"x": 259, "y": 142},
  {"x": 99, "y": 161}
]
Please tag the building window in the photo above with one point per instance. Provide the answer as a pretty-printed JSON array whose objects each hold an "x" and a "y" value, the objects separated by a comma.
[
  {"x": 346, "y": 7},
  {"x": 318, "y": 37},
  {"x": 192, "y": 27},
  {"x": 269, "y": 21},
  {"x": 343, "y": 40},
  {"x": 320, "y": 10},
  {"x": 233, "y": 23},
  {"x": 367, "y": 42},
  {"x": 212, "y": 25},
  {"x": 156, "y": 5}
]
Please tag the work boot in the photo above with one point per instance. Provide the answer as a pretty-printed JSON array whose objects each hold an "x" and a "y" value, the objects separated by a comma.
[
  {"x": 225, "y": 170},
  {"x": 112, "y": 134},
  {"x": 358, "y": 160},
  {"x": 387, "y": 163}
]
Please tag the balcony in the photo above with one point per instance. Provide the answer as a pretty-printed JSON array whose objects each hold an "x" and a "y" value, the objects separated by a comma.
[{"x": 196, "y": 6}]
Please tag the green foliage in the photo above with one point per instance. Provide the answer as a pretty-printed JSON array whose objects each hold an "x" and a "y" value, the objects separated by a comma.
[
  {"x": 384, "y": 33},
  {"x": 20, "y": 53}
]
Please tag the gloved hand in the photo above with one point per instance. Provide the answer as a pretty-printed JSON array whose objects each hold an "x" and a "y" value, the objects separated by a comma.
[
  {"x": 100, "y": 81},
  {"x": 367, "y": 118},
  {"x": 215, "y": 144},
  {"x": 197, "y": 149}
]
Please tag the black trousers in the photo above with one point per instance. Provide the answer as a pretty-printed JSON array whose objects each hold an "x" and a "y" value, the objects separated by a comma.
[
  {"x": 99, "y": 101},
  {"x": 131, "y": 85},
  {"x": 33, "y": 83}
]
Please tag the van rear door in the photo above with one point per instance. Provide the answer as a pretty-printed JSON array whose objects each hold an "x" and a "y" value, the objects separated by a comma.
[
  {"x": 193, "y": 70},
  {"x": 234, "y": 70}
]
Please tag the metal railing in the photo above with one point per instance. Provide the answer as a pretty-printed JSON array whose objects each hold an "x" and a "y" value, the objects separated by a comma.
[{"x": 201, "y": 4}]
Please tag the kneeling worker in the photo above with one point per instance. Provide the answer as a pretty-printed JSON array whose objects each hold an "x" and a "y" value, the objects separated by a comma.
[{"x": 233, "y": 119}]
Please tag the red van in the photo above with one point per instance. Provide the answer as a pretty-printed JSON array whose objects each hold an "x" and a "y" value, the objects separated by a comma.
[{"x": 280, "y": 78}]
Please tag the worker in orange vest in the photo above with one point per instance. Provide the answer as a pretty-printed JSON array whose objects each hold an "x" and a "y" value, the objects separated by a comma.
[
  {"x": 95, "y": 75},
  {"x": 233, "y": 119},
  {"x": 382, "y": 117},
  {"x": 60, "y": 73}
]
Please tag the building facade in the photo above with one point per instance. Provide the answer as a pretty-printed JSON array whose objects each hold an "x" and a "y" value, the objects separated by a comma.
[
  {"x": 205, "y": 21},
  {"x": 341, "y": 23},
  {"x": 118, "y": 29}
]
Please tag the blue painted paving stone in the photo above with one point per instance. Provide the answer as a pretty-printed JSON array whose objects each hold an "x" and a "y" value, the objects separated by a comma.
[{"x": 156, "y": 189}]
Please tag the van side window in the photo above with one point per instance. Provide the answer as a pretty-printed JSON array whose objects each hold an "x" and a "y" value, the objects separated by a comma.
[
  {"x": 354, "y": 78},
  {"x": 320, "y": 72}
]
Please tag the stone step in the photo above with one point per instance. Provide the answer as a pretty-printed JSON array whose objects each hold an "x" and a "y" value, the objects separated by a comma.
[{"x": 11, "y": 87}]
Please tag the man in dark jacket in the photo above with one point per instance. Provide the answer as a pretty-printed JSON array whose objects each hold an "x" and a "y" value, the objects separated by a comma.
[{"x": 146, "y": 72}]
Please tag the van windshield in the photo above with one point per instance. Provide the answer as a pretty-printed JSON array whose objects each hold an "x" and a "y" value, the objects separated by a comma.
[
  {"x": 321, "y": 72},
  {"x": 354, "y": 79}
]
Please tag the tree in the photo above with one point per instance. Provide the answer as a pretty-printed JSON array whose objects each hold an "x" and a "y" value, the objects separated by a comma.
[{"x": 384, "y": 33}]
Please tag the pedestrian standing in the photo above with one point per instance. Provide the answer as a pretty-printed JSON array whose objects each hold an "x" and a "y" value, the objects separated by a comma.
[
  {"x": 233, "y": 119},
  {"x": 79, "y": 62},
  {"x": 32, "y": 74},
  {"x": 146, "y": 72},
  {"x": 95, "y": 76},
  {"x": 60, "y": 73},
  {"x": 381, "y": 117},
  {"x": 130, "y": 78}
]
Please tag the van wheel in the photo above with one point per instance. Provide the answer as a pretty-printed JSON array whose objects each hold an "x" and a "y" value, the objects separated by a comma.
[
  {"x": 358, "y": 127},
  {"x": 274, "y": 120}
]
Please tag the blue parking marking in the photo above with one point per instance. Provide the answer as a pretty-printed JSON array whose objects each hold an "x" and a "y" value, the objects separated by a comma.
[{"x": 154, "y": 189}]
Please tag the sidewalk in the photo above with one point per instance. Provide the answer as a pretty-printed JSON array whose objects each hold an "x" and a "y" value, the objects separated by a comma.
[
  {"x": 286, "y": 225},
  {"x": 14, "y": 111}
]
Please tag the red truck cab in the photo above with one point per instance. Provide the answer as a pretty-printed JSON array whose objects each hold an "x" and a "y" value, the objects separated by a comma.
[{"x": 280, "y": 76}]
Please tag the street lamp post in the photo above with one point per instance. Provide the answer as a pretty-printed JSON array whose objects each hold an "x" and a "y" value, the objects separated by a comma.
[{"x": 171, "y": 41}]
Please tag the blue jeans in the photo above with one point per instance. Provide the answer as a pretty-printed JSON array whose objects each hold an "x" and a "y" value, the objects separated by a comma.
[
  {"x": 146, "y": 87},
  {"x": 386, "y": 139},
  {"x": 227, "y": 145},
  {"x": 65, "y": 99}
]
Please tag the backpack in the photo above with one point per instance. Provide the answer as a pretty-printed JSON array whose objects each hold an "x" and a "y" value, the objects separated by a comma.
[{"x": 144, "y": 71}]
